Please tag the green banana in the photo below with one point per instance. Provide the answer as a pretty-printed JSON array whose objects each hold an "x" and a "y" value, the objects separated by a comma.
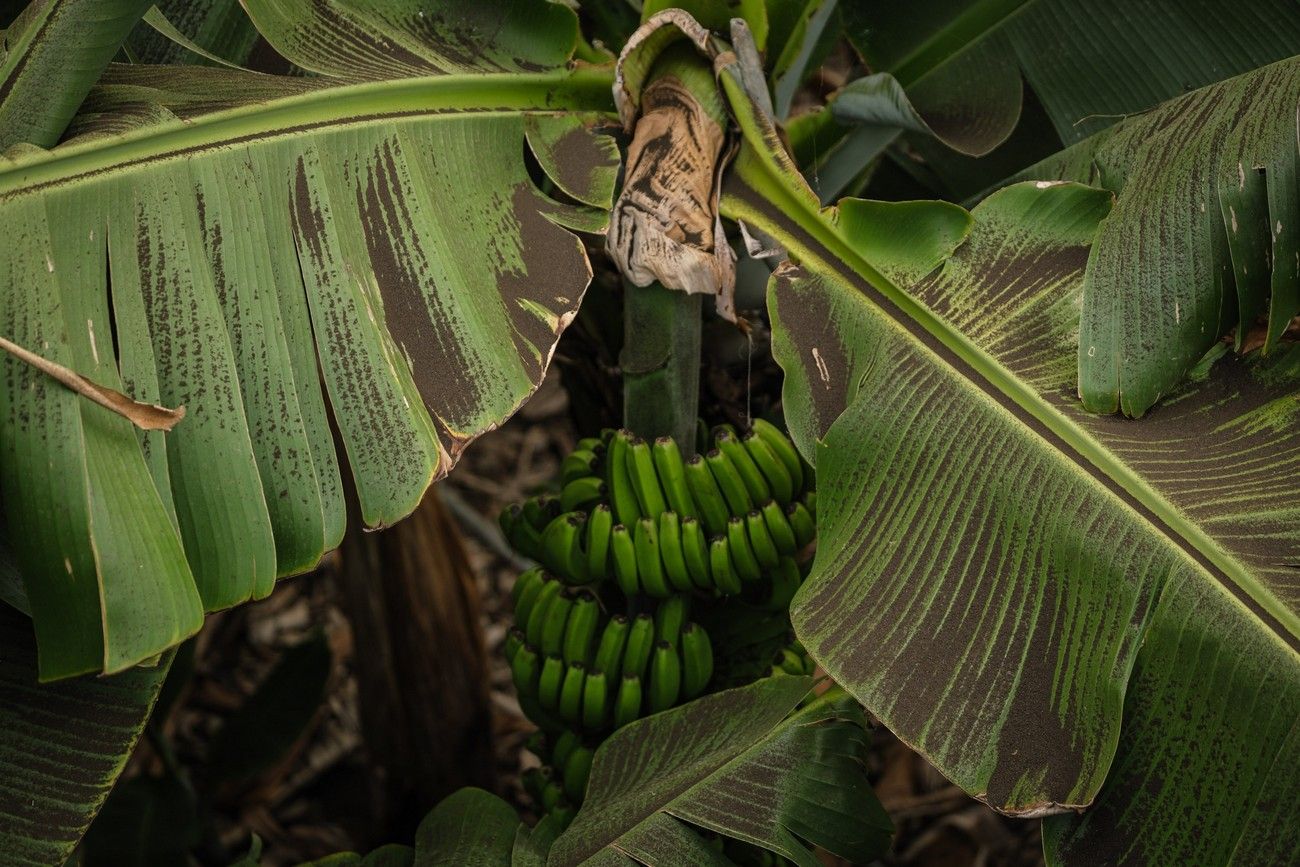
[
  {"x": 695, "y": 550},
  {"x": 739, "y": 502},
  {"x": 507, "y": 518},
  {"x": 774, "y": 472},
  {"x": 622, "y": 496},
  {"x": 778, "y": 526},
  {"x": 577, "y": 768},
  {"x": 562, "y": 815},
  {"x": 810, "y": 500},
  {"x": 759, "y": 490},
  {"x": 697, "y": 660},
  {"x": 724, "y": 428},
  {"x": 595, "y": 700},
  {"x": 578, "y": 464},
  {"x": 599, "y": 522},
  {"x": 627, "y": 707},
  {"x": 537, "y": 513},
  {"x": 665, "y": 677},
  {"x": 789, "y": 661},
  {"x": 527, "y": 578},
  {"x": 668, "y": 465},
  {"x": 527, "y": 591},
  {"x": 524, "y": 670},
  {"x": 803, "y": 524},
  {"x": 551, "y": 590},
  {"x": 581, "y": 493},
  {"x": 562, "y": 547},
  {"x": 707, "y": 496},
  {"x": 760, "y": 541},
  {"x": 670, "y": 551},
  {"x": 623, "y": 550},
  {"x": 557, "y": 618},
  {"x": 721, "y": 568},
  {"x": 671, "y": 616},
  {"x": 785, "y": 451},
  {"x": 525, "y": 539},
  {"x": 564, "y": 745},
  {"x": 595, "y": 445},
  {"x": 649, "y": 564},
  {"x": 609, "y": 654},
  {"x": 640, "y": 645},
  {"x": 645, "y": 481},
  {"x": 552, "y": 796},
  {"x": 513, "y": 643},
  {"x": 575, "y": 678},
  {"x": 580, "y": 631},
  {"x": 549, "y": 682},
  {"x": 742, "y": 556},
  {"x": 785, "y": 582}
]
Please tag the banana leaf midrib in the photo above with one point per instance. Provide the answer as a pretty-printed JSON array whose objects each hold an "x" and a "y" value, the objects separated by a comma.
[
  {"x": 582, "y": 89},
  {"x": 758, "y": 190}
]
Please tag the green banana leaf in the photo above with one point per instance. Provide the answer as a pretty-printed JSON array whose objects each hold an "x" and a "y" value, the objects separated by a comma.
[
  {"x": 1056, "y": 608},
  {"x": 471, "y": 828},
  {"x": 1204, "y": 236},
  {"x": 951, "y": 71},
  {"x": 219, "y": 27},
  {"x": 218, "y": 263},
  {"x": 360, "y": 40},
  {"x": 955, "y": 66},
  {"x": 64, "y": 745},
  {"x": 50, "y": 56},
  {"x": 738, "y": 763}
]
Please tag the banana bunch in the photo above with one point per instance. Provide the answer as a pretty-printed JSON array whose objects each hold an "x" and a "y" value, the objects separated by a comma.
[
  {"x": 558, "y": 785},
  {"x": 637, "y": 513},
  {"x": 574, "y": 666},
  {"x": 604, "y": 631}
]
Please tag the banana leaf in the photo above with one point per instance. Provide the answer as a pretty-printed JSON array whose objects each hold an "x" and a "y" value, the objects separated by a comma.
[
  {"x": 1204, "y": 237},
  {"x": 219, "y": 27},
  {"x": 64, "y": 745},
  {"x": 739, "y": 763},
  {"x": 234, "y": 262},
  {"x": 359, "y": 40},
  {"x": 50, "y": 57},
  {"x": 953, "y": 68},
  {"x": 1056, "y": 608}
]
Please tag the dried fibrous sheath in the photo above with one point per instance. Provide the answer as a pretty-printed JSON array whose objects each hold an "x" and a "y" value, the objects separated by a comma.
[{"x": 665, "y": 225}]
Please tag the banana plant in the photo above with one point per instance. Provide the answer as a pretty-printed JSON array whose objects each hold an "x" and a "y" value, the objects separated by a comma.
[{"x": 1074, "y": 615}]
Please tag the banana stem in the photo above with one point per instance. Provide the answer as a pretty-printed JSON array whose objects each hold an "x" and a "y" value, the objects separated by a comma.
[
  {"x": 661, "y": 363},
  {"x": 663, "y": 230}
]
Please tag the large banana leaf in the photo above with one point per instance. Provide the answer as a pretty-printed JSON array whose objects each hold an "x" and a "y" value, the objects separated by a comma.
[
  {"x": 64, "y": 745},
  {"x": 1204, "y": 237},
  {"x": 367, "y": 39},
  {"x": 738, "y": 763},
  {"x": 384, "y": 238},
  {"x": 50, "y": 56},
  {"x": 1204, "y": 234},
  {"x": 1032, "y": 595}
]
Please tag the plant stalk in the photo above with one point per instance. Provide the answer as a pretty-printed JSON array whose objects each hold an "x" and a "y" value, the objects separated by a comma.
[
  {"x": 662, "y": 238},
  {"x": 661, "y": 363}
]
